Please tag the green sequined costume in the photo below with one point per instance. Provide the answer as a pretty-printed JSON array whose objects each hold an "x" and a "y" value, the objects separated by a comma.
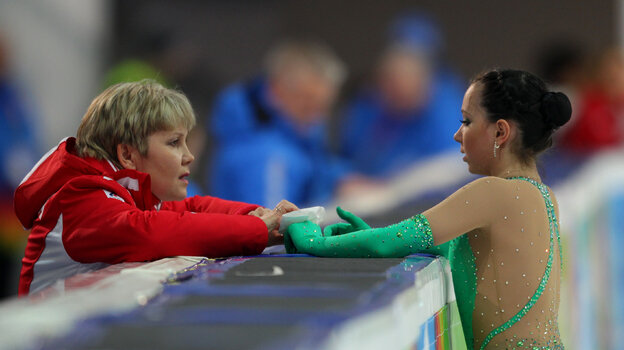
[{"x": 414, "y": 235}]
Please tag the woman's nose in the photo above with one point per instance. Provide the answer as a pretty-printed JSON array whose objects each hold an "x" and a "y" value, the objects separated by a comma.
[
  {"x": 458, "y": 137},
  {"x": 187, "y": 157}
]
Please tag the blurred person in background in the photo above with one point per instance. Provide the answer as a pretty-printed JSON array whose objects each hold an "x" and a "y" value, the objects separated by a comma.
[
  {"x": 562, "y": 64},
  {"x": 19, "y": 151},
  {"x": 599, "y": 118},
  {"x": 408, "y": 114},
  {"x": 270, "y": 131}
]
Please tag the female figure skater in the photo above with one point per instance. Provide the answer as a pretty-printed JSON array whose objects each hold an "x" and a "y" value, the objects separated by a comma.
[{"x": 499, "y": 232}]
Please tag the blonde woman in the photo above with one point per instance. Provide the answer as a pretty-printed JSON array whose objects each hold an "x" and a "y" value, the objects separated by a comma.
[{"x": 117, "y": 193}]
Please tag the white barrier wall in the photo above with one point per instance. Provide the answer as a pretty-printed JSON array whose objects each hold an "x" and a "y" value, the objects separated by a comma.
[{"x": 591, "y": 203}]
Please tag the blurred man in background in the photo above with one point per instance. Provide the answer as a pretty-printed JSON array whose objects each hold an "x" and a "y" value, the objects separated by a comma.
[
  {"x": 411, "y": 112},
  {"x": 270, "y": 132}
]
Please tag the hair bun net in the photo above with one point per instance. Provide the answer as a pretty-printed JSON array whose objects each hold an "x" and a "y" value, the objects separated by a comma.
[{"x": 556, "y": 109}]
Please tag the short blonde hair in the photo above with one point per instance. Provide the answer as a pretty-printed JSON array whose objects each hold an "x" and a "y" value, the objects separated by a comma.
[
  {"x": 127, "y": 113},
  {"x": 290, "y": 55}
]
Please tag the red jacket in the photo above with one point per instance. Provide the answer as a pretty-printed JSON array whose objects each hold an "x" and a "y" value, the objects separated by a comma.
[
  {"x": 597, "y": 125},
  {"x": 85, "y": 214}
]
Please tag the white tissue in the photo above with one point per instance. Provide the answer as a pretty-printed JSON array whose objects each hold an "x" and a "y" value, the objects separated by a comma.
[{"x": 314, "y": 214}]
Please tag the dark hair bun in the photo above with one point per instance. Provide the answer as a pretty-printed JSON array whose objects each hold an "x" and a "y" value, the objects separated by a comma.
[{"x": 556, "y": 109}]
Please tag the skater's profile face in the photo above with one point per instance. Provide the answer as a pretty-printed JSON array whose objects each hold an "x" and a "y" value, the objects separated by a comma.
[{"x": 476, "y": 134}]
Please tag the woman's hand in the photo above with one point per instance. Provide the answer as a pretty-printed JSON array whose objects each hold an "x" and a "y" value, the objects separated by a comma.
[
  {"x": 284, "y": 207},
  {"x": 272, "y": 219},
  {"x": 259, "y": 211}
]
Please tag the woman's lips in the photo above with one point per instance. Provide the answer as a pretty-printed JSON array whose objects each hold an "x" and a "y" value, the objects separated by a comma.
[{"x": 183, "y": 178}]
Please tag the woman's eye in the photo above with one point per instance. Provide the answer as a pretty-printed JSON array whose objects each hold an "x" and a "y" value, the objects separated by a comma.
[{"x": 464, "y": 121}]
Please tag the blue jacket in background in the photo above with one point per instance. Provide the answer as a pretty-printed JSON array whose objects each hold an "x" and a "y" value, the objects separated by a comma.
[
  {"x": 262, "y": 157},
  {"x": 19, "y": 146},
  {"x": 379, "y": 145}
]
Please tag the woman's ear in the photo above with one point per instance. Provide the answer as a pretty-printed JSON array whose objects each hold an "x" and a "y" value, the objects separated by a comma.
[
  {"x": 127, "y": 156},
  {"x": 504, "y": 131}
]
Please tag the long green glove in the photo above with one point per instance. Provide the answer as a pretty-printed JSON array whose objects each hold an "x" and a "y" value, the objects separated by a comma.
[
  {"x": 394, "y": 241},
  {"x": 408, "y": 236},
  {"x": 353, "y": 223}
]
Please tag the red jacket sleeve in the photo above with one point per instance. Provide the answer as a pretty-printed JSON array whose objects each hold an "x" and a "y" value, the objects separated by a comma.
[
  {"x": 207, "y": 204},
  {"x": 100, "y": 225}
]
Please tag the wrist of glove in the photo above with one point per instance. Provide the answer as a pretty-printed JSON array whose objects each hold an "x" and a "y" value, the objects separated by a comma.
[{"x": 301, "y": 236}]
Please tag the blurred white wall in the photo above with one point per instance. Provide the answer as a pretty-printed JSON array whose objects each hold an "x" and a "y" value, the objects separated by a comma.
[{"x": 57, "y": 49}]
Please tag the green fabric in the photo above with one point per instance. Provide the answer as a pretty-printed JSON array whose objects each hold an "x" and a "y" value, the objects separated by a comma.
[
  {"x": 393, "y": 241},
  {"x": 409, "y": 236},
  {"x": 353, "y": 223}
]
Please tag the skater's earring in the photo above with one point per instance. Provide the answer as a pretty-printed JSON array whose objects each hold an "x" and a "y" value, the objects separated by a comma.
[{"x": 496, "y": 146}]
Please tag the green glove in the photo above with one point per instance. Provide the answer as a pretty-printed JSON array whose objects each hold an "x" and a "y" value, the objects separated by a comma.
[
  {"x": 394, "y": 241},
  {"x": 288, "y": 243},
  {"x": 300, "y": 232},
  {"x": 353, "y": 223}
]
